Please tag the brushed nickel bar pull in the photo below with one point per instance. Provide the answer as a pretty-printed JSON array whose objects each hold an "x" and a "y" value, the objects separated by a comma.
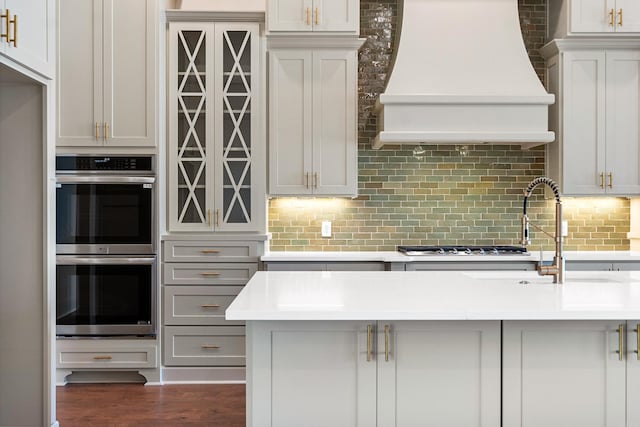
[
  {"x": 386, "y": 343},
  {"x": 602, "y": 180},
  {"x": 610, "y": 179},
  {"x": 210, "y": 251},
  {"x": 97, "y": 131},
  {"x": 6, "y": 15},
  {"x": 318, "y": 16},
  {"x": 102, "y": 357},
  {"x": 210, "y": 273},
  {"x": 210, "y": 306},
  {"x": 210, "y": 346},
  {"x": 620, "y": 342},
  {"x": 368, "y": 343},
  {"x": 106, "y": 130},
  {"x": 612, "y": 17},
  {"x": 308, "y": 16},
  {"x": 620, "y": 17}
]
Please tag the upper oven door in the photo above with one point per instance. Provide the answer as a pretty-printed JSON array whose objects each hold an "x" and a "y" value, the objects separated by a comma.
[{"x": 104, "y": 215}]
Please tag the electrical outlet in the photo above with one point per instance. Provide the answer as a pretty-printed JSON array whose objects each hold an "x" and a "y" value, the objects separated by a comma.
[{"x": 326, "y": 228}]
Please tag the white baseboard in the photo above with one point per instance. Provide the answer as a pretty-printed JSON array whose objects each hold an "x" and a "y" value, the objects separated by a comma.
[{"x": 202, "y": 375}]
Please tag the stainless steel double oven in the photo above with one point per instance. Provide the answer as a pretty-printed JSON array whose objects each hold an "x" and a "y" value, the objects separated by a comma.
[{"x": 106, "y": 246}]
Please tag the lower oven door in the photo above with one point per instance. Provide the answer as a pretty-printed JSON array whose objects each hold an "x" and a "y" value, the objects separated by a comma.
[{"x": 99, "y": 296}]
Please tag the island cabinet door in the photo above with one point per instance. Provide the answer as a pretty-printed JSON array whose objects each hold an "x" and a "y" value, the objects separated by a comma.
[
  {"x": 633, "y": 373},
  {"x": 311, "y": 374},
  {"x": 444, "y": 373},
  {"x": 563, "y": 373}
]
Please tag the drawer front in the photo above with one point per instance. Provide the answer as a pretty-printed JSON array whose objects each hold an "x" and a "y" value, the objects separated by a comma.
[
  {"x": 211, "y": 251},
  {"x": 117, "y": 358},
  {"x": 199, "y": 305},
  {"x": 204, "y": 346},
  {"x": 208, "y": 274}
]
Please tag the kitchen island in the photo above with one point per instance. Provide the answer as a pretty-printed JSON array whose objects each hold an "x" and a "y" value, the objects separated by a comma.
[{"x": 441, "y": 348}]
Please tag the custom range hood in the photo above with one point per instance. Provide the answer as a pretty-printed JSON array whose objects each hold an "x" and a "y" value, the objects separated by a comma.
[{"x": 461, "y": 75}]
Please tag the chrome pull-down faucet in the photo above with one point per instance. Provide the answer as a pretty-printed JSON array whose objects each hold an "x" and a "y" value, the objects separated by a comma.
[{"x": 556, "y": 269}]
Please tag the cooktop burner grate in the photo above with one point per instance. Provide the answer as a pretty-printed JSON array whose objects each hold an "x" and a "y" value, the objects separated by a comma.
[{"x": 463, "y": 250}]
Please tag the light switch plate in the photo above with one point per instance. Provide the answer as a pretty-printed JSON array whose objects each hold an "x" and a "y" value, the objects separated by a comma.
[{"x": 326, "y": 228}]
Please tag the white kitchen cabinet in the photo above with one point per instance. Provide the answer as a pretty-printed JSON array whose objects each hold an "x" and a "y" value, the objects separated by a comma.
[
  {"x": 438, "y": 373},
  {"x": 216, "y": 152},
  {"x": 597, "y": 150},
  {"x": 107, "y": 73},
  {"x": 200, "y": 279},
  {"x": 312, "y": 122},
  {"x": 27, "y": 33},
  {"x": 559, "y": 373},
  {"x": 91, "y": 355},
  {"x": 593, "y": 17},
  {"x": 313, "y": 15},
  {"x": 374, "y": 373}
]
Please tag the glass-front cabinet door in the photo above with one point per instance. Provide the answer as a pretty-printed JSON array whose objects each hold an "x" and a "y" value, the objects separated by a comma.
[{"x": 213, "y": 130}]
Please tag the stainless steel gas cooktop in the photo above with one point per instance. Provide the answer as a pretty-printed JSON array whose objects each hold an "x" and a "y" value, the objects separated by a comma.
[{"x": 463, "y": 250}]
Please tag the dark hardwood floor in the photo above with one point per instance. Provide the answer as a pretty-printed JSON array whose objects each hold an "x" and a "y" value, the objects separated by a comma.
[{"x": 88, "y": 405}]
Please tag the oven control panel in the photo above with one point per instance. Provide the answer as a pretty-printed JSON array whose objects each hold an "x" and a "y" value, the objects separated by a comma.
[{"x": 79, "y": 164}]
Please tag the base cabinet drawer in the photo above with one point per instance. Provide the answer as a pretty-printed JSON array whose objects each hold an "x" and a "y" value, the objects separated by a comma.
[
  {"x": 211, "y": 251},
  {"x": 208, "y": 273},
  {"x": 199, "y": 305},
  {"x": 204, "y": 346},
  {"x": 75, "y": 354}
]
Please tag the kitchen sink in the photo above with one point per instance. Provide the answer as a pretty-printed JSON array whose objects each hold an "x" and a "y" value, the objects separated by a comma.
[{"x": 532, "y": 277}]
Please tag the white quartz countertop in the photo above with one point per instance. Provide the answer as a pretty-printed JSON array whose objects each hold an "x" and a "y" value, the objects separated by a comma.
[
  {"x": 437, "y": 295},
  {"x": 392, "y": 256}
]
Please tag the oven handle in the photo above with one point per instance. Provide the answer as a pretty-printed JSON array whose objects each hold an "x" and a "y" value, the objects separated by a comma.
[
  {"x": 105, "y": 179},
  {"x": 84, "y": 260}
]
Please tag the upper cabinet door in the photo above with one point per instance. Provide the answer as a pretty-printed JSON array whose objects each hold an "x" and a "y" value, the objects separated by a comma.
[
  {"x": 32, "y": 28},
  {"x": 290, "y": 15},
  {"x": 107, "y": 73},
  {"x": 130, "y": 71},
  {"x": 237, "y": 103},
  {"x": 79, "y": 79},
  {"x": 583, "y": 136},
  {"x": 314, "y": 15},
  {"x": 191, "y": 126},
  {"x": 336, "y": 15},
  {"x": 633, "y": 372},
  {"x": 335, "y": 145},
  {"x": 622, "y": 129},
  {"x": 592, "y": 16},
  {"x": 627, "y": 16},
  {"x": 290, "y": 117}
]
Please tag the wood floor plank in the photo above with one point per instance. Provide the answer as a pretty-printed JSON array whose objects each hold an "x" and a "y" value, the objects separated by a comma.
[{"x": 106, "y": 405}]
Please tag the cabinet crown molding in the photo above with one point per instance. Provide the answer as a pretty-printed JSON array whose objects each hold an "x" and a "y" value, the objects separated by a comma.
[
  {"x": 212, "y": 16},
  {"x": 558, "y": 45},
  {"x": 313, "y": 41}
]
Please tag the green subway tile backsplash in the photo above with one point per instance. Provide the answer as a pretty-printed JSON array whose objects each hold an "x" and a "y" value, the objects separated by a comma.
[{"x": 449, "y": 195}]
